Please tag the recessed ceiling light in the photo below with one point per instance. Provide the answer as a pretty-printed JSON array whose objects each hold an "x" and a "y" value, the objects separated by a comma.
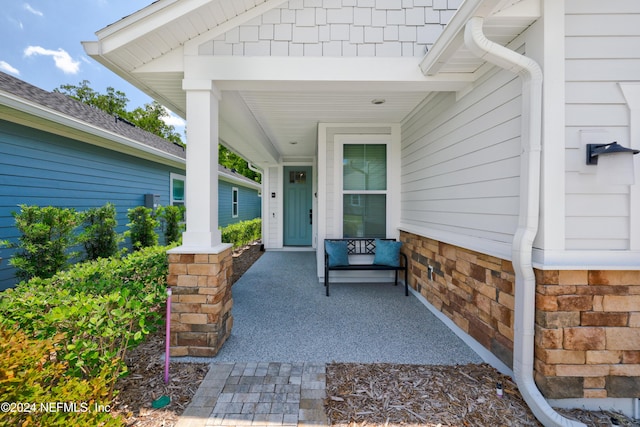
[{"x": 378, "y": 101}]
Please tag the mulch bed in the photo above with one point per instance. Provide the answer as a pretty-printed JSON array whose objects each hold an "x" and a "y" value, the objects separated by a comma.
[{"x": 390, "y": 395}]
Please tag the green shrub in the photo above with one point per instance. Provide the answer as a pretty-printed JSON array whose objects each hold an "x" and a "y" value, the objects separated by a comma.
[
  {"x": 97, "y": 310},
  {"x": 33, "y": 380},
  {"x": 99, "y": 237},
  {"x": 142, "y": 227},
  {"x": 243, "y": 232},
  {"x": 46, "y": 236},
  {"x": 171, "y": 218}
]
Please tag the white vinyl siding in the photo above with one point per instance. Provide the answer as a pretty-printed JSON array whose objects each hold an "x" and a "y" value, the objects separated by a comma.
[
  {"x": 461, "y": 163},
  {"x": 602, "y": 49}
]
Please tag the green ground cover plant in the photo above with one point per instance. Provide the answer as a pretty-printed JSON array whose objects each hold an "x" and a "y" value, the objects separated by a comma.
[
  {"x": 90, "y": 314},
  {"x": 38, "y": 392},
  {"x": 243, "y": 232}
]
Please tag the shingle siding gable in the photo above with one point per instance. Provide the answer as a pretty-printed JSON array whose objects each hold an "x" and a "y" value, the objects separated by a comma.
[{"x": 336, "y": 27}]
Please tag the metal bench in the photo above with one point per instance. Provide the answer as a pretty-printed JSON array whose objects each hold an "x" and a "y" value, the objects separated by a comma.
[{"x": 364, "y": 246}]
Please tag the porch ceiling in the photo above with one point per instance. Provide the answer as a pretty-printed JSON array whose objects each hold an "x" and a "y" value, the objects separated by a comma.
[
  {"x": 268, "y": 105},
  {"x": 290, "y": 119}
]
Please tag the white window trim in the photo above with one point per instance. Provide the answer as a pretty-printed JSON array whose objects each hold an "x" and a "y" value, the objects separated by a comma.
[
  {"x": 235, "y": 202},
  {"x": 178, "y": 177},
  {"x": 392, "y": 208}
]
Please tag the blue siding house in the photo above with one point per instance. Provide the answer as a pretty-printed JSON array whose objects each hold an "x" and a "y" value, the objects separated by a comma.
[
  {"x": 55, "y": 151},
  {"x": 239, "y": 198}
]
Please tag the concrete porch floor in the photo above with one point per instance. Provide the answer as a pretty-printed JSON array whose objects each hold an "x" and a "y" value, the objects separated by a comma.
[{"x": 271, "y": 369}]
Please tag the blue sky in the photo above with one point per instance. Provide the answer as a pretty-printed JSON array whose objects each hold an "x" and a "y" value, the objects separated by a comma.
[{"x": 41, "y": 43}]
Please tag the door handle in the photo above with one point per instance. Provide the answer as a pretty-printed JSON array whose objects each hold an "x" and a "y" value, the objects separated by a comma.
[{"x": 310, "y": 216}]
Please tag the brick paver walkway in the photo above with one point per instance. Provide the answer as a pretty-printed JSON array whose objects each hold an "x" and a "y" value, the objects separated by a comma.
[{"x": 259, "y": 394}]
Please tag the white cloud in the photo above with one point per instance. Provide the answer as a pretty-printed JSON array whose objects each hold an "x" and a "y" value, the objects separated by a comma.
[
  {"x": 4, "y": 66},
  {"x": 172, "y": 119},
  {"x": 30, "y": 9},
  {"x": 62, "y": 59}
]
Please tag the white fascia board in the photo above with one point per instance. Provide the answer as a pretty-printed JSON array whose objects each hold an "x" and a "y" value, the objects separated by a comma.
[
  {"x": 103, "y": 138},
  {"x": 144, "y": 21},
  {"x": 318, "y": 73}
]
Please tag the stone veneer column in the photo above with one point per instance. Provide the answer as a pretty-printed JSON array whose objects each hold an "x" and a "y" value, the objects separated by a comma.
[
  {"x": 201, "y": 303},
  {"x": 588, "y": 334}
]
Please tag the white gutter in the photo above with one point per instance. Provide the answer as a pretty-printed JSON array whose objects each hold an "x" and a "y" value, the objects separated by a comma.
[
  {"x": 522, "y": 249},
  {"x": 254, "y": 168}
]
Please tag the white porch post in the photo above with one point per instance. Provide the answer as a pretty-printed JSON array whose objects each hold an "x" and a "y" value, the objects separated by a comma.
[
  {"x": 202, "y": 165},
  {"x": 200, "y": 271}
]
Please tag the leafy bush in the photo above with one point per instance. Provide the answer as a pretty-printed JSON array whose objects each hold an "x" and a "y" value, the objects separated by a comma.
[
  {"x": 99, "y": 237},
  {"x": 243, "y": 232},
  {"x": 171, "y": 217},
  {"x": 142, "y": 227},
  {"x": 33, "y": 377},
  {"x": 47, "y": 235},
  {"x": 96, "y": 310}
]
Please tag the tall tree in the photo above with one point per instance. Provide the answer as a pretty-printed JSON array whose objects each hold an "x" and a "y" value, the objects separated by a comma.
[
  {"x": 113, "y": 102},
  {"x": 150, "y": 118},
  {"x": 231, "y": 160}
]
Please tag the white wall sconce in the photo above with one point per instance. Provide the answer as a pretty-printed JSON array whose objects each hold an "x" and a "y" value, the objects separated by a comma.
[{"x": 615, "y": 162}]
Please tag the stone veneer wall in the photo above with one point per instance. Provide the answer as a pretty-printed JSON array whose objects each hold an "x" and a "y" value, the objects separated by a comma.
[
  {"x": 588, "y": 334},
  {"x": 587, "y": 338},
  {"x": 201, "y": 303},
  {"x": 474, "y": 290}
]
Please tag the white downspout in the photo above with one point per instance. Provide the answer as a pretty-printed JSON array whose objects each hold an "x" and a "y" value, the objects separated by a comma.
[{"x": 522, "y": 247}]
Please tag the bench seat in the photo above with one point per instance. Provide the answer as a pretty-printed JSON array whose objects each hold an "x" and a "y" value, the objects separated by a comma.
[{"x": 364, "y": 246}]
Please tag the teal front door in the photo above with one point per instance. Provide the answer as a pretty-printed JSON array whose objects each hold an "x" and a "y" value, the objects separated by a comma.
[{"x": 298, "y": 215}]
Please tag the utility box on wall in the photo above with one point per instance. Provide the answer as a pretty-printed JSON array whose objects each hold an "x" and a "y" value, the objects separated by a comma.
[{"x": 152, "y": 201}]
